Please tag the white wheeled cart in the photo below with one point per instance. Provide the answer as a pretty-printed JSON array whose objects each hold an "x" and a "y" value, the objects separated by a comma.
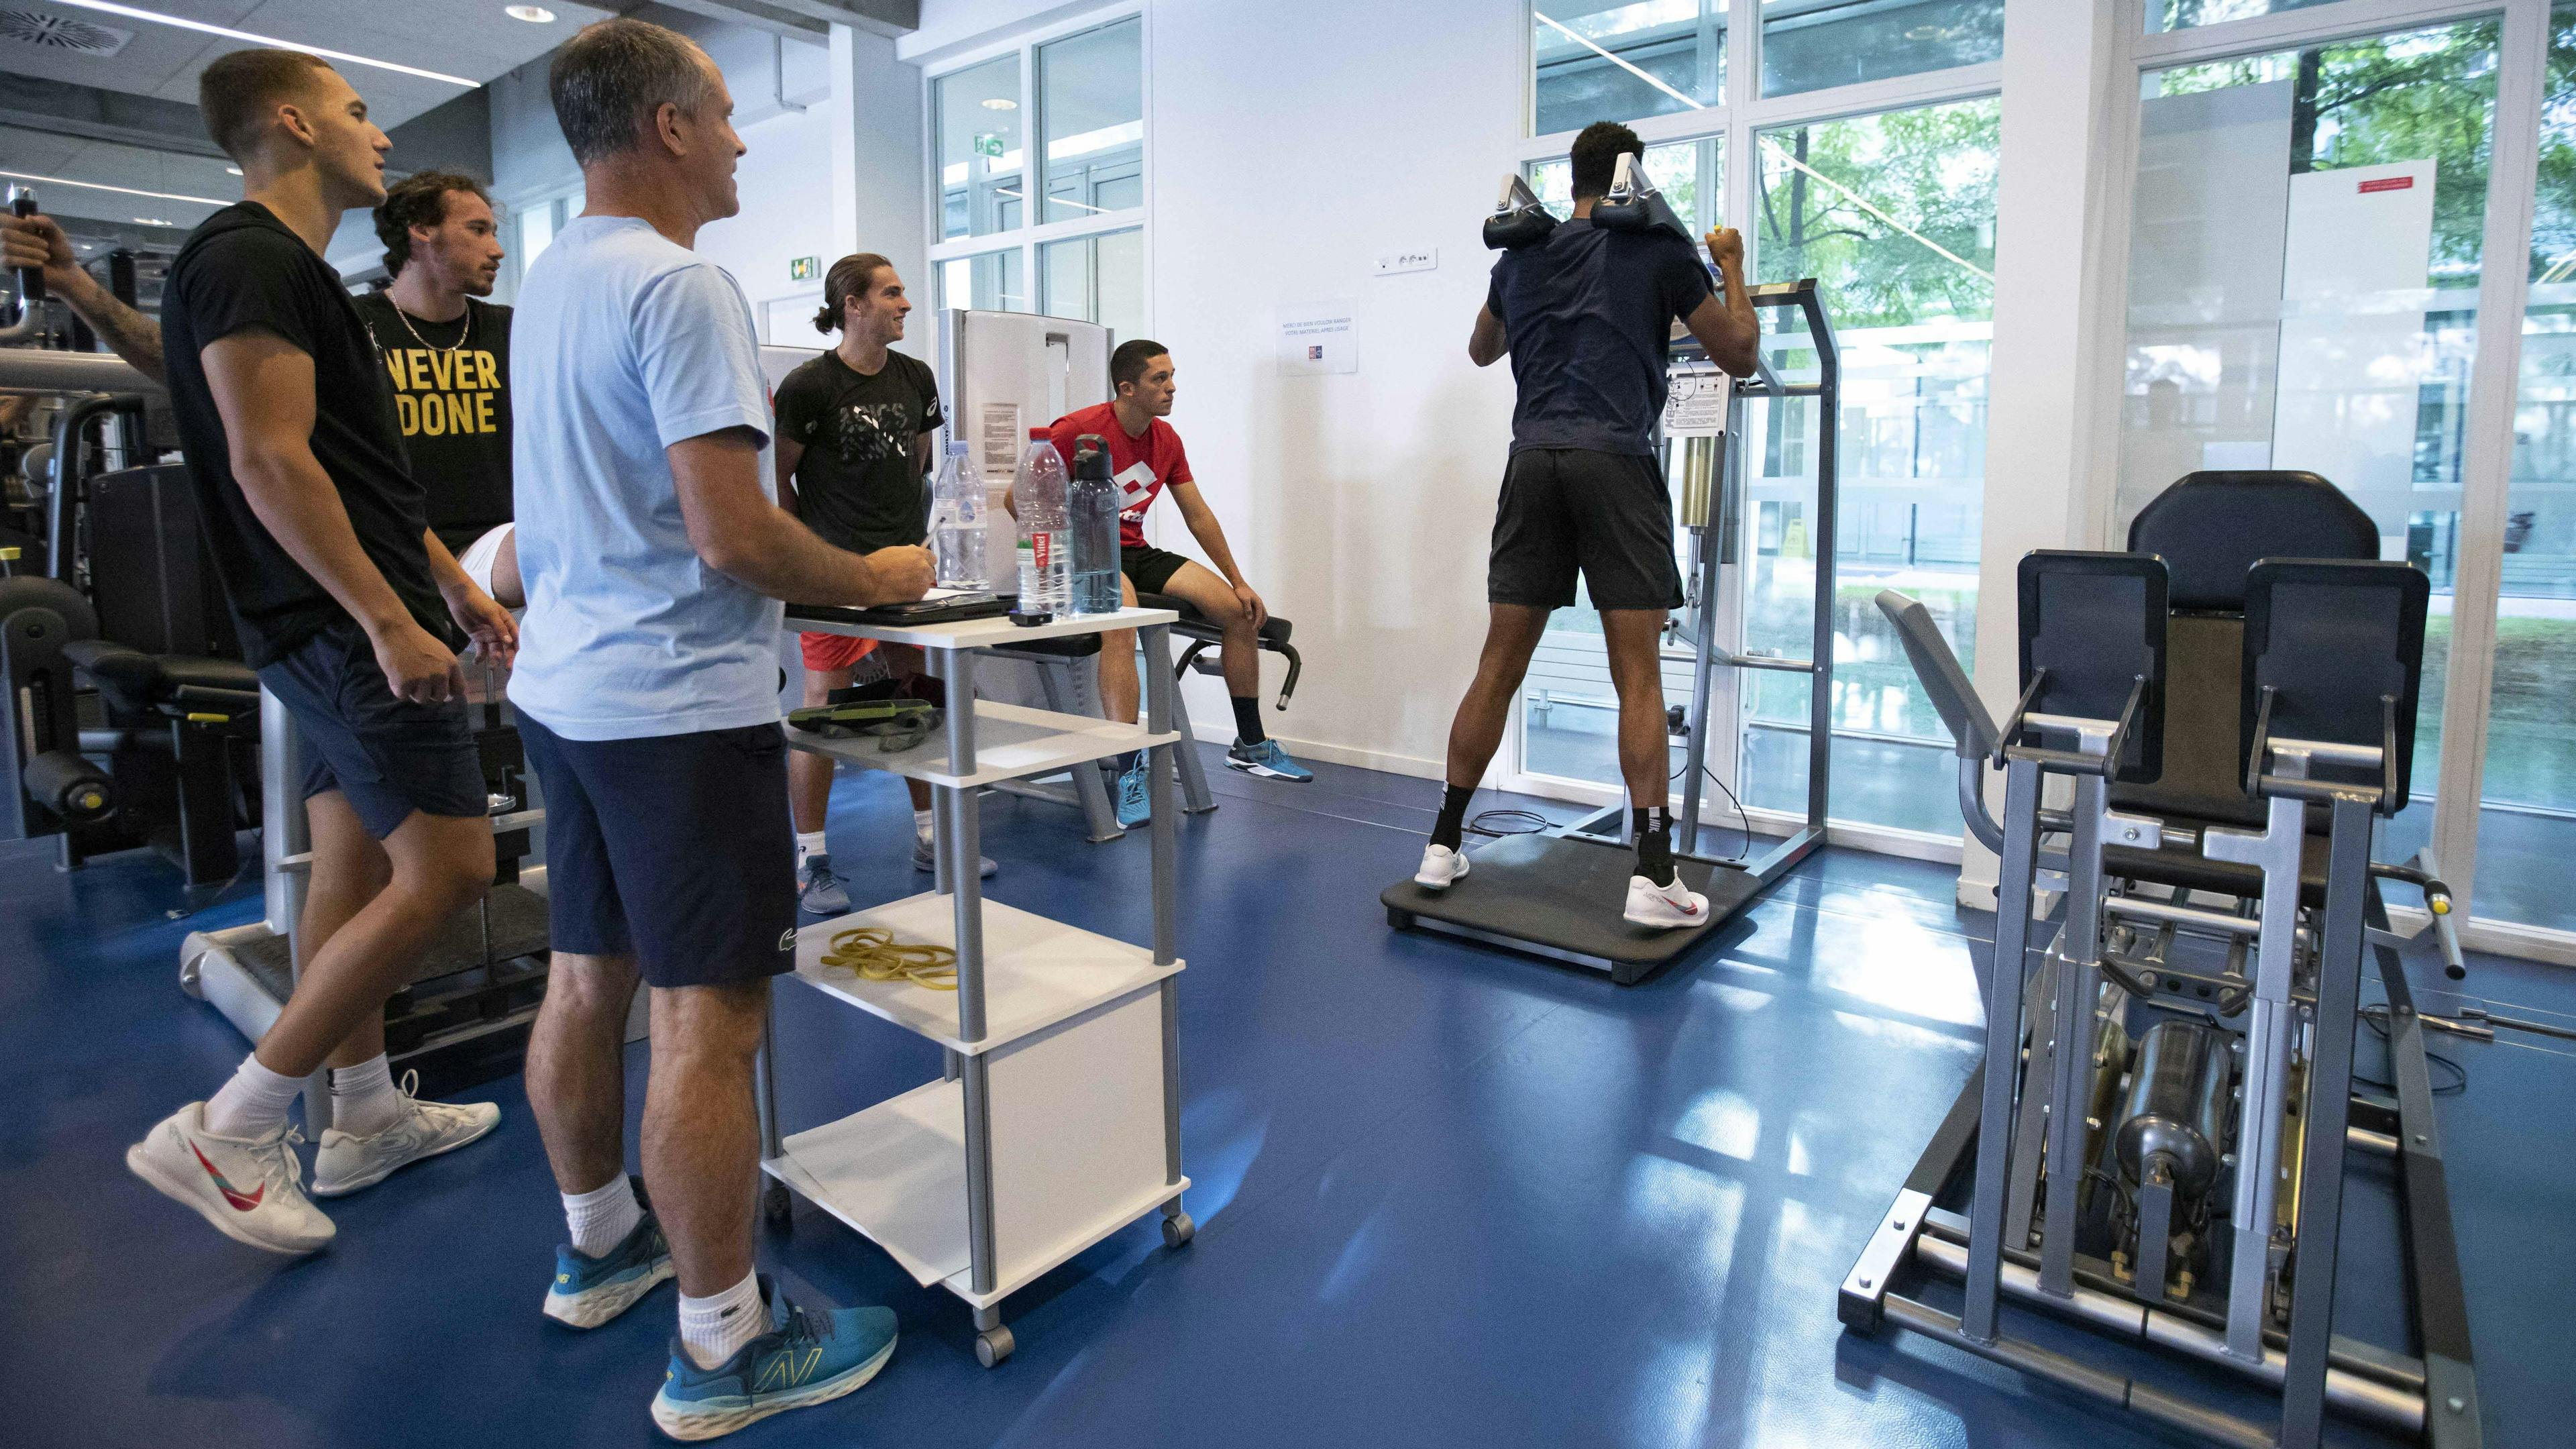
[{"x": 1057, "y": 1118}]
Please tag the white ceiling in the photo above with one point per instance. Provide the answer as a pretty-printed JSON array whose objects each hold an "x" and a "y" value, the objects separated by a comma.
[
  {"x": 113, "y": 164},
  {"x": 469, "y": 38}
]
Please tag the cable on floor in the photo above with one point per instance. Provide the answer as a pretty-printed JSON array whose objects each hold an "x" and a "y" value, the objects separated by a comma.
[
  {"x": 2376, "y": 1017},
  {"x": 870, "y": 954},
  {"x": 1744, "y": 845},
  {"x": 1507, "y": 822}
]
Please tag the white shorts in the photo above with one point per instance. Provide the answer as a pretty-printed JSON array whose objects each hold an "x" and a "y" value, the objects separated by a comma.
[{"x": 481, "y": 555}]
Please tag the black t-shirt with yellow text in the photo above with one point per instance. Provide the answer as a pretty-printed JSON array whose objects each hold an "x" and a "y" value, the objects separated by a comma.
[{"x": 452, "y": 397}]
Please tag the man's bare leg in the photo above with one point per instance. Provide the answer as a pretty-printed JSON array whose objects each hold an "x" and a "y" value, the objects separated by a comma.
[
  {"x": 1120, "y": 691},
  {"x": 576, "y": 1069},
  {"x": 350, "y": 869},
  {"x": 809, "y": 775},
  {"x": 702, "y": 1131},
  {"x": 1512, "y": 633},
  {"x": 1635, "y": 641}
]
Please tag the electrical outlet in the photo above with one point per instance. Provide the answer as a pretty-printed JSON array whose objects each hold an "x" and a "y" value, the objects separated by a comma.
[{"x": 1418, "y": 259}]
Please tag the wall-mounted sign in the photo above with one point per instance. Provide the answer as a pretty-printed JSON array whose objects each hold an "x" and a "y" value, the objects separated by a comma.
[
  {"x": 804, "y": 269},
  {"x": 989, "y": 143}
]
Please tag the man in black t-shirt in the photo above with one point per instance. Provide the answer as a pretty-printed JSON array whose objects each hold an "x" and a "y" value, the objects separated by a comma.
[
  {"x": 347, "y": 605},
  {"x": 855, "y": 428},
  {"x": 448, "y": 355},
  {"x": 1586, "y": 316}
]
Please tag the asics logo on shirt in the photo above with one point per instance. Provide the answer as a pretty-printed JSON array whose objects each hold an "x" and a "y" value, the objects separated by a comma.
[
  {"x": 864, "y": 434},
  {"x": 241, "y": 1201}
]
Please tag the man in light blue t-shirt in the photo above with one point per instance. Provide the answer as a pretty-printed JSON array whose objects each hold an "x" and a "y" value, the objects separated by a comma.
[{"x": 654, "y": 561}]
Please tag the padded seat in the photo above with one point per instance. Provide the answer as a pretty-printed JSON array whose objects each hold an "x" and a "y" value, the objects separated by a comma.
[
  {"x": 135, "y": 682},
  {"x": 1274, "y": 630}
]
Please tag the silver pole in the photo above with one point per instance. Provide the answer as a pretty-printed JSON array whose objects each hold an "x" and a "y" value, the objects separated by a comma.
[
  {"x": 1161, "y": 710},
  {"x": 2003, "y": 1048},
  {"x": 958, "y": 848}
]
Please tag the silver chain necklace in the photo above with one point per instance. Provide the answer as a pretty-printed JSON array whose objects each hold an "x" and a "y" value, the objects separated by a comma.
[{"x": 461, "y": 337}]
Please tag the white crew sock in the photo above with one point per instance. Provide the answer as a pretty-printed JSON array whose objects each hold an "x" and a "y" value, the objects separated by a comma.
[
  {"x": 715, "y": 1329},
  {"x": 808, "y": 842},
  {"x": 363, "y": 1099},
  {"x": 921, "y": 825},
  {"x": 253, "y": 1103},
  {"x": 602, "y": 1217}
]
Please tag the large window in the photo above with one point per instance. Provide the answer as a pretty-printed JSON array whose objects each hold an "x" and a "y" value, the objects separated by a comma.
[
  {"x": 1892, "y": 209},
  {"x": 1042, "y": 150},
  {"x": 2303, "y": 292}
]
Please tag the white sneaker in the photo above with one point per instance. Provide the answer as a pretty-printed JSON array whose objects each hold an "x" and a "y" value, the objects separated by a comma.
[
  {"x": 251, "y": 1189},
  {"x": 1441, "y": 868},
  {"x": 347, "y": 1162},
  {"x": 1665, "y": 907}
]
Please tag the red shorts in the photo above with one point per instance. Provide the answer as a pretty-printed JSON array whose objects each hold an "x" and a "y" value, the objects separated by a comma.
[{"x": 834, "y": 651}]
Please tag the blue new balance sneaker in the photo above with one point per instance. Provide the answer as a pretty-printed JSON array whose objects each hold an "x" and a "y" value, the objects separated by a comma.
[
  {"x": 1135, "y": 805},
  {"x": 805, "y": 1359},
  {"x": 588, "y": 1292},
  {"x": 1268, "y": 761}
]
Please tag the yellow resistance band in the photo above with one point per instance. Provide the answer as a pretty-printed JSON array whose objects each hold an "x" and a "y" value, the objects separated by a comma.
[{"x": 870, "y": 954}]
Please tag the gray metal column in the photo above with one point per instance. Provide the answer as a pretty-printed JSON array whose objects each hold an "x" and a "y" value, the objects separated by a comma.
[
  {"x": 1162, "y": 706},
  {"x": 981, "y": 1255},
  {"x": 2003, "y": 1047},
  {"x": 959, "y": 846},
  {"x": 2325, "y": 1115},
  {"x": 2078, "y": 951},
  {"x": 2276, "y": 851}
]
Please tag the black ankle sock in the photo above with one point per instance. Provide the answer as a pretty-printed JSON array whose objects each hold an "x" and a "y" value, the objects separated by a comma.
[
  {"x": 1654, "y": 832},
  {"x": 1450, "y": 828},
  {"x": 1247, "y": 720}
]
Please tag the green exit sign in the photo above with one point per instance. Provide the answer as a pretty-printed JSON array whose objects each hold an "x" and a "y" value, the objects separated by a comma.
[
  {"x": 988, "y": 143},
  {"x": 804, "y": 269}
]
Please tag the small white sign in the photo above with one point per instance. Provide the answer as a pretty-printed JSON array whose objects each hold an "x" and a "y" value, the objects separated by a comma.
[
  {"x": 1418, "y": 259},
  {"x": 1695, "y": 404},
  {"x": 1002, "y": 438},
  {"x": 1319, "y": 337}
]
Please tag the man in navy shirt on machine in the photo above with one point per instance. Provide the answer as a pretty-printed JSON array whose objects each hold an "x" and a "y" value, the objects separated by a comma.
[{"x": 1586, "y": 315}]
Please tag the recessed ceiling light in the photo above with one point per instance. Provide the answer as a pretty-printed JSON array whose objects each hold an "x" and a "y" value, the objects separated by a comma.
[
  {"x": 132, "y": 13},
  {"x": 1001, "y": 103},
  {"x": 533, "y": 14},
  {"x": 234, "y": 170},
  {"x": 153, "y": 221},
  {"x": 120, "y": 190}
]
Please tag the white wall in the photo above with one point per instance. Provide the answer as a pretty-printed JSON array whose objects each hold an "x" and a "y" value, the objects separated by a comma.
[
  {"x": 785, "y": 170},
  {"x": 1283, "y": 156}
]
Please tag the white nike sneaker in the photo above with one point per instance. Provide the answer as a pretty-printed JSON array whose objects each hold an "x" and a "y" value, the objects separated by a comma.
[
  {"x": 347, "y": 1162},
  {"x": 251, "y": 1189},
  {"x": 1441, "y": 868},
  {"x": 1665, "y": 907}
]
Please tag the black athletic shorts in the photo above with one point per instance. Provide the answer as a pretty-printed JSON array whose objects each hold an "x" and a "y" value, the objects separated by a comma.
[
  {"x": 387, "y": 756},
  {"x": 1148, "y": 567},
  {"x": 675, "y": 848},
  {"x": 1607, "y": 515}
]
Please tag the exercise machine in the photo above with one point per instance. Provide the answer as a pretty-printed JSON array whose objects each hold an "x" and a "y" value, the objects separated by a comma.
[
  {"x": 1560, "y": 894},
  {"x": 2154, "y": 1147}
]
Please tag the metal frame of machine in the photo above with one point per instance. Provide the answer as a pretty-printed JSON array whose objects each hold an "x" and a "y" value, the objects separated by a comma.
[{"x": 2205, "y": 1215}]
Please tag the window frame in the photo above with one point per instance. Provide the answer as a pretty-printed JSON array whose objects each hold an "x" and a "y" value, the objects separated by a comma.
[
  {"x": 1028, "y": 239},
  {"x": 2494, "y": 377},
  {"x": 1740, "y": 113}
]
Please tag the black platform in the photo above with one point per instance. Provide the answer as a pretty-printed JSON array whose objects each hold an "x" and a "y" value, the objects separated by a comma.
[{"x": 1561, "y": 897}]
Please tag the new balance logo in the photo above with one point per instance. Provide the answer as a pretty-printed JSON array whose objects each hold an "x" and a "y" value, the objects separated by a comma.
[{"x": 790, "y": 1369}]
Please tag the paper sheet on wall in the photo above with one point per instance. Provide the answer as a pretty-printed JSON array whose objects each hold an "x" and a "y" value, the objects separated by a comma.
[
  {"x": 1319, "y": 337},
  {"x": 1695, "y": 405},
  {"x": 1001, "y": 440}
]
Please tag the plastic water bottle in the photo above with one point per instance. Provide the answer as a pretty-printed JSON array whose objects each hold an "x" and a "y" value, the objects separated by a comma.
[
  {"x": 957, "y": 524},
  {"x": 1095, "y": 530},
  {"x": 1038, "y": 496}
]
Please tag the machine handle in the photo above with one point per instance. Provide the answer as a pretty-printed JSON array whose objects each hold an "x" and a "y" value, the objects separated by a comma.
[{"x": 31, "y": 280}]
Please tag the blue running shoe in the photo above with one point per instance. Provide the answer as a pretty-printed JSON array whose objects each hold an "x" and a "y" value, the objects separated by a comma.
[
  {"x": 588, "y": 1292},
  {"x": 805, "y": 1359},
  {"x": 1268, "y": 761},
  {"x": 1135, "y": 806}
]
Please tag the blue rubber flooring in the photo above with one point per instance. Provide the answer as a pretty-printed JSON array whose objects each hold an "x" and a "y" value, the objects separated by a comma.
[{"x": 1445, "y": 1196}]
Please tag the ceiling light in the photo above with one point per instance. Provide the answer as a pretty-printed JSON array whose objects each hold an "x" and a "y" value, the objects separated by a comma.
[
  {"x": 533, "y": 14},
  {"x": 153, "y": 221},
  {"x": 202, "y": 28},
  {"x": 235, "y": 170},
  {"x": 1001, "y": 103},
  {"x": 120, "y": 190}
]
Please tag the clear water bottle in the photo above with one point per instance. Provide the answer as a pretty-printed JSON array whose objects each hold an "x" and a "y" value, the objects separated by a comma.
[
  {"x": 1039, "y": 498},
  {"x": 957, "y": 523},
  {"x": 1095, "y": 530}
]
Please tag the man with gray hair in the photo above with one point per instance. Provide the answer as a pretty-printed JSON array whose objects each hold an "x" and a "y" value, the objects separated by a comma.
[{"x": 653, "y": 562}]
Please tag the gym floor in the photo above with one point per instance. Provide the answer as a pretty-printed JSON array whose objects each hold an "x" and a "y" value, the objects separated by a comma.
[{"x": 1445, "y": 1196}]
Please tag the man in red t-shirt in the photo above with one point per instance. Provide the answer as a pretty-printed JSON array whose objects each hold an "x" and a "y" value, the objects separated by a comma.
[{"x": 1145, "y": 457}]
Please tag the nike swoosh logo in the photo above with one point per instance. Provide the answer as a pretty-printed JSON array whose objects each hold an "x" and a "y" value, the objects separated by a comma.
[{"x": 241, "y": 1202}]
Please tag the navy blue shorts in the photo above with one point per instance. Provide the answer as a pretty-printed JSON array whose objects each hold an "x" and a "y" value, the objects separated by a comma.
[
  {"x": 387, "y": 756},
  {"x": 1608, "y": 516},
  {"x": 675, "y": 849}
]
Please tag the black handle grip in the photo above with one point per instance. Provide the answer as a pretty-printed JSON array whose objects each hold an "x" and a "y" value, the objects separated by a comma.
[{"x": 31, "y": 280}]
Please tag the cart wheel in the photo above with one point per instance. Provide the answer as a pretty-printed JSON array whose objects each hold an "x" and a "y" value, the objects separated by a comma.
[
  {"x": 777, "y": 1206},
  {"x": 993, "y": 1345},
  {"x": 1178, "y": 1229},
  {"x": 1400, "y": 920}
]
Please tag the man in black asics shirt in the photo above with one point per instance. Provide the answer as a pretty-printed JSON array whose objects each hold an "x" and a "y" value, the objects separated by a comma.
[{"x": 449, "y": 357}]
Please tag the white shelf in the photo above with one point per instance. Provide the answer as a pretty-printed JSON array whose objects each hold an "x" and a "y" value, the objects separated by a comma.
[
  {"x": 973, "y": 633},
  {"x": 1037, "y": 972},
  {"x": 896, "y": 1174},
  {"x": 1012, "y": 742}
]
